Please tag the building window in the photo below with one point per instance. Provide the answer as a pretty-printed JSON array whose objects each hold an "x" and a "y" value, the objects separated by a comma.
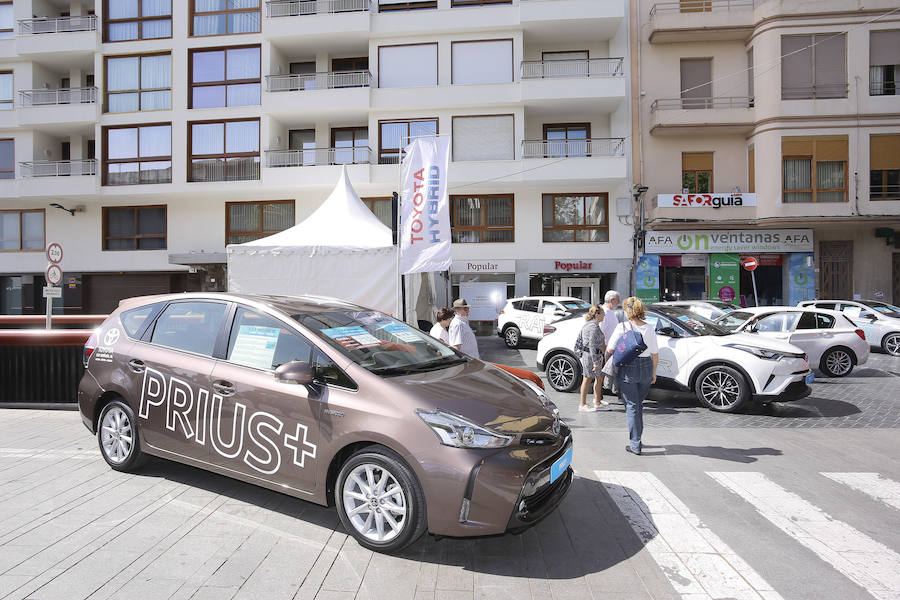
[
  {"x": 484, "y": 218},
  {"x": 7, "y": 159},
  {"x": 388, "y": 5},
  {"x": 697, "y": 172},
  {"x": 482, "y": 61},
  {"x": 884, "y": 61},
  {"x": 814, "y": 66},
  {"x": 479, "y": 2},
  {"x": 351, "y": 145},
  {"x": 224, "y": 77},
  {"x": 7, "y": 21},
  {"x": 483, "y": 137},
  {"x": 814, "y": 169},
  {"x": 136, "y": 155},
  {"x": 381, "y": 207},
  {"x": 397, "y": 134},
  {"x": 567, "y": 139},
  {"x": 248, "y": 221},
  {"x": 137, "y": 20},
  {"x": 408, "y": 65},
  {"x": 576, "y": 217},
  {"x": 21, "y": 230},
  {"x": 751, "y": 170},
  {"x": 134, "y": 228},
  {"x": 224, "y": 150},
  {"x": 220, "y": 17},
  {"x": 6, "y": 91},
  {"x": 884, "y": 158},
  {"x": 135, "y": 83}
]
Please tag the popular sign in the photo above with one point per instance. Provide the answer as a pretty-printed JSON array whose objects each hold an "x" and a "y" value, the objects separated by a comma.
[
  {"x": 711, "y": 241},
  {"x": 704, "y": 200}
]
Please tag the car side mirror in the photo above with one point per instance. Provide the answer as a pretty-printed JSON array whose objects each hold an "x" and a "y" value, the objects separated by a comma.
[
  {"x": 559, "y": 313},
  {"x": 668, "y": 332},
  {"x": 297, "y": 372},
  {"x": 871, "y": 317}
]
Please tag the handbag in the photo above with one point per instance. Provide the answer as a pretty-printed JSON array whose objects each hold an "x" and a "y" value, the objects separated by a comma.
[
  {"x": 610, "y": 369},
  {"x": 628, "y": 347}
]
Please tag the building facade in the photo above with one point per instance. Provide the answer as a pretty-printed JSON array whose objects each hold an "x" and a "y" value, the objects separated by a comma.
[
  {"x": 768, "y": 129},
  {"x": 165, "y": 130}
]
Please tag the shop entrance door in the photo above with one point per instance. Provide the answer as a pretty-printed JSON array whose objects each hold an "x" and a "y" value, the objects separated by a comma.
[
  {"x": 585, "y": 288},
  {"x": 836, "y": 270}
]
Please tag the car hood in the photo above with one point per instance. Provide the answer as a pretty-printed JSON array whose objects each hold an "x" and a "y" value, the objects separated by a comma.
[
  {"x": 759, "y": 341},
  {"x": 481, "y": 393}
]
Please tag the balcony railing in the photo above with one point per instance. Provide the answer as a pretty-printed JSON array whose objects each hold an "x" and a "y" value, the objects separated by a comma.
[
  {"x": 294, "y": 8},
  {"x": 586, "y": 67},
  {"x": 694, "y": 6},
  {"x": 58, "y": 168},
  {"x": 57, "y": 24},
  {"x": 318, "y": 81},
  {"x": 219, "y": 169},
  {"x": 702, "y": 103},
  {"x": 811, "y": 92},
  {"x": 312, "y": 157},
  {"x": 573, "y": 148},
  {"x": 81, "y": 95}
]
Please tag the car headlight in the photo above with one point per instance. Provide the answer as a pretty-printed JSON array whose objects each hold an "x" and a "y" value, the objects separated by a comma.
[
  {"x": 453, "y": 430},
  {"x": 542, "y": 397},
  {"x": 760, "y": 352}
]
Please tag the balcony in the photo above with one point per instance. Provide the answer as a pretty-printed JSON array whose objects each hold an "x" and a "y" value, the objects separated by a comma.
[
  {"x": 593, "y": 83},
  {"x": 58, "y": 177},
  {"x": 573, "y": 148},
  {"x": 582, "y": 19},
  {"x": 72, "y": 34},
  {"x": 208, "y": 170},
  {"x": 320, "y": 21},
  {"x": 342, "y": 94},
  {"x": 583, "y": 161},
  {"x": 318, "y": 166},
  {"x": 730, "y": 114},
  {"x": 73, "y": 105},
  {"x": 701, "y": 20},
  {"x": 296, "y": 8},
  {"x": 58, "y": 168}
]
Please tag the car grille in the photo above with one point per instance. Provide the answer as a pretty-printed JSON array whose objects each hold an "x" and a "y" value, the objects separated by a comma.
[{"x": 542, "y": 439}]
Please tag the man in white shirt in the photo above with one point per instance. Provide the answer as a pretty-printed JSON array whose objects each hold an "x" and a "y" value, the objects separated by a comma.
[
  {"x": 461, "y": 335},
  {"x": 608, "y": 325}
]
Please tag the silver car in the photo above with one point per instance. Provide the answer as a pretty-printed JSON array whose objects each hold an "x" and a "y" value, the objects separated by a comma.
[{"x": 879, "y": 320}]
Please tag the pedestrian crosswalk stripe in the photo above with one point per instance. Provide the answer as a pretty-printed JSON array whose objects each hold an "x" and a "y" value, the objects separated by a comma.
[
  {"x": 872, "y": 484},
  {"x": 695, "y": 561},
  {"x": 863, "y": 560}
]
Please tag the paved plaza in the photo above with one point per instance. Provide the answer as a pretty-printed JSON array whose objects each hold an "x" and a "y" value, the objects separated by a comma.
[{"x": 799, "y": 500}]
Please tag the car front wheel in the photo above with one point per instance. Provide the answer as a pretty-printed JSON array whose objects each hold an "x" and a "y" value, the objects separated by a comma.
[
  {"x": 511, "y": 336},
  {"x": 836, "y": 362},
  {"x": 379, "y": 500},
  {"x": 563, "y": 373},
  {"x": 117, "y": 435},
  {"x": 891, "y": 344},
  {"x": 722, "y": 389}
]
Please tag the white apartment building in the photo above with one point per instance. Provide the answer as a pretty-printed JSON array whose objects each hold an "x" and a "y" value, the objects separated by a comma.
[
  {"x": 783, "y": 117},
  {"x": 166, "y": 129}
]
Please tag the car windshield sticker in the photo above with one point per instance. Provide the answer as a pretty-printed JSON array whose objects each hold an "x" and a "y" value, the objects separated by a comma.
[
  {"x": 401, "y": 332},
  {"x": 352, "y": 337},
  {"x": 255, "y": 346}
]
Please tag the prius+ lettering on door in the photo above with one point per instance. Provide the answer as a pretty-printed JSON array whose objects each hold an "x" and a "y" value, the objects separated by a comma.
[{"x": 256, "y": 436}]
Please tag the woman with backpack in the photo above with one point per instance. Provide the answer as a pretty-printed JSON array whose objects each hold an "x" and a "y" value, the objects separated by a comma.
[
  {"x": 593, "y": 346},
  {"x": 636, "y": 357}
]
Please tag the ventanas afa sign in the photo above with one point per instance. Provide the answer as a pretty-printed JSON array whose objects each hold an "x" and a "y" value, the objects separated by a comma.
[
  {"x": 710, "y": 241},
  {"x": 705, "y": 200}
]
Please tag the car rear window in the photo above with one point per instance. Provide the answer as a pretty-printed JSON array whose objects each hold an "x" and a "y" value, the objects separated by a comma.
[
  {"x": 815, "y": 320},
  {"x": 132, "y": 320},
  {"x": 517, "y": 305},
  {"x": 529, "y": 305},
  {"x": 190, "y": 326}
]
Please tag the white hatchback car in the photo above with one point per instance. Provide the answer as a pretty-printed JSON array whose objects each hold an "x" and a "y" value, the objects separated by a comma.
[
  {"x": 879, "y": 320},
  {"x": 725, "y": 370},
  {"x": 830, "y": 340},
  {"x": 526, "y": 317}
]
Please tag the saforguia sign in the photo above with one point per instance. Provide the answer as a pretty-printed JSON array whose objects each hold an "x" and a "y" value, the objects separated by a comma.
[
  {"x": 711, "y": 241},
  {"x": 705, "y": 200}
]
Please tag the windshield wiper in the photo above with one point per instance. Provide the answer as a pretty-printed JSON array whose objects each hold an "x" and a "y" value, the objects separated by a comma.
[{"x": 432, "y": 365}]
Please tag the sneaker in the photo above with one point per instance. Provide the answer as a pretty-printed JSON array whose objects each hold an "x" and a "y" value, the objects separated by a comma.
[
  {"x": 586, "y": 408},
  {"x": 601, "y": 403}
]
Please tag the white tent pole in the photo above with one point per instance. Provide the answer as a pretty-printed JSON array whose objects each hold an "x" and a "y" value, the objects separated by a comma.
[{"x": 399, "y": 281}]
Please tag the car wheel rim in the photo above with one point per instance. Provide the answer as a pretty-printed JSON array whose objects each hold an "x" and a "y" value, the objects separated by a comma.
[
  {"x": 892, "y": 345},
  {"x": 720, "y": 389},
  {"x": 375, "y": 503},
  {"x": 839, "y": 363},
  {"x": 512, "y": 337},
  {"x": 561, "y": 373},
  {"x": 116, "y": 435}
]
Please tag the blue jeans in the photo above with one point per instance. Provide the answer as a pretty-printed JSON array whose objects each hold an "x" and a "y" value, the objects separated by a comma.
[{"x": 634, "y": 384}]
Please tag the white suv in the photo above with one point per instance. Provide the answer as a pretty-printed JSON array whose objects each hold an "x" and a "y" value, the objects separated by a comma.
[
  {"x": 525, "y": 317},
  {"x": 725, "y": 370},
  {"x": 879, "y": 320}
]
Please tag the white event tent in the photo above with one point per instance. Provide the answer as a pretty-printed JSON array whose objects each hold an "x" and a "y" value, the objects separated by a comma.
[{"x": 341, "y": 250}]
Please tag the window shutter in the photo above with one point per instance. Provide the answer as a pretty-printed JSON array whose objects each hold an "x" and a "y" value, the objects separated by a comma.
[
  {"x": 796, "y": 147},
  {"x": 751, "y": 170},
  {"x": 831, "y": 65},
  {"x": 796, "y": 66},
  {"x": 482, "y": 62},
  {"x": 884, "y": 47},
  {"x": 831, "y": 149},
  {"x": 696, "y": 76},
  {"x": 483, "y": 138},
  {"x": 696, "y": 161},
  {"x": 407, "y": 66},
  {"x": 884, "y": 152}
]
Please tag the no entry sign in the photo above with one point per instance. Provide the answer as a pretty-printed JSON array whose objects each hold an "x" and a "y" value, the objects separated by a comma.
[{"x": 750, "y": 263}]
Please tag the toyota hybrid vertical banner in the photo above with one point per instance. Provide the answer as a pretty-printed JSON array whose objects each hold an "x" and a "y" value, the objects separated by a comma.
[{"x": 424, "y": 206}]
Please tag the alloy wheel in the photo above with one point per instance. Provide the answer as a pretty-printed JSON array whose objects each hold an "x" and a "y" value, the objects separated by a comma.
[
  {"x": 892, "y": 344},
  {"x": 838, "y": 363},
  {"x": 116, "y": 435},
  {"x": 720, "y": 389},
  {"x": 511, "y": 337},
  {"x": 560, "y": 373},
  {"x": 375, "y": 502}
]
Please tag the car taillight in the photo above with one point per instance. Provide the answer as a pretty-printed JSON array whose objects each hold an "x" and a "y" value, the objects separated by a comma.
[
  {"x": 549, "y": 329},
  {"x": 861, "y": 334},
  {"x": 89, "y": 348},
  {"x": 501, "y": 311}
]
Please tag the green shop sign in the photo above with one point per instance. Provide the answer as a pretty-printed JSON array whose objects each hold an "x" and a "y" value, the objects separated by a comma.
[{"x": 724, "y": 277}]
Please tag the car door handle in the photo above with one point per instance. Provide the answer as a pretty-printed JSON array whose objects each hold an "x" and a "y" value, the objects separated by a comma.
[
  {"x": 136, "y": 365},
  {"x": 225, "y": 388}
]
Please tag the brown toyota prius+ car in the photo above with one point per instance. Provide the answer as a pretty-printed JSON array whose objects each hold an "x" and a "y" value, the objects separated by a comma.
[{"x": 329, "y": 402}]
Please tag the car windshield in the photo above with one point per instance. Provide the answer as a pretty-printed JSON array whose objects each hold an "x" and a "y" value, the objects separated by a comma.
[
  {"x": 731, "y": 321},
  {"x": 575, "y": 304},
  {"x": 888, "y": 310},
  {"x": 723, "y": 306},
  {"x": 693, "y": 322},
  {"x": 380, "y": 343}
]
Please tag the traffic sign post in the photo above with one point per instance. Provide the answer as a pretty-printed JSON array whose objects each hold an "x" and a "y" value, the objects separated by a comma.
[
  {"x": 54, "y": 277},
  {"x": 750, "y": 263}
]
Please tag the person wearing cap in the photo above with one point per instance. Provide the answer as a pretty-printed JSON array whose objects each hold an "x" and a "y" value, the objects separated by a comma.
[{"x": 461, "y": 335}]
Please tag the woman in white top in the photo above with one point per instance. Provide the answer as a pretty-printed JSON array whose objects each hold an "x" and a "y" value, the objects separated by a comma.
[
  {"x": 635, "y": 377},
  {"x": 439, "y": 330}
]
